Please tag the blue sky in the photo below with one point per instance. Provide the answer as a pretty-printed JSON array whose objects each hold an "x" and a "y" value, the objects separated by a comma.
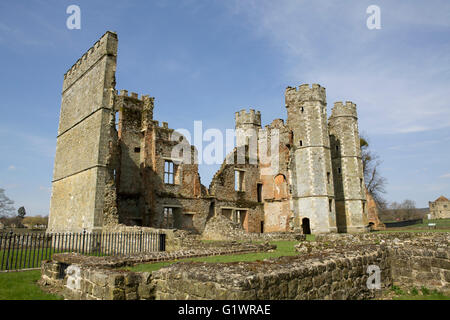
[{"x": 206, "y": 59}]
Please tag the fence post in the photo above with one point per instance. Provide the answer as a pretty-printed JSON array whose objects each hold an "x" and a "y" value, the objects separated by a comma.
[
  {"x": 84, "y": 237},
  {"x": 162, "y": 242},
  {"x": 9, "y": 248}
]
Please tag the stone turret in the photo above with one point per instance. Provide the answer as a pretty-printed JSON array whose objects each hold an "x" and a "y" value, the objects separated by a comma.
[
  {"x": 312, "y": 188},
  {"x": 248, "y": 125},
  {"x": 351, "y": 208}
]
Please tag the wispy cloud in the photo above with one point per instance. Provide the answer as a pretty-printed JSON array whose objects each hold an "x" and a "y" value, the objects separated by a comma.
[
  {"x": 445, "y": 176},
  {"x": 12, "y": 168},
  {"x": 385, "y": 71}
]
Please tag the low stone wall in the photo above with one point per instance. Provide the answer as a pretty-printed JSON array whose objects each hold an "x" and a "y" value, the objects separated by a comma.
[
  {"x": 332, "y": 277},
  {"x": 333, "y": 267},
  {"x": 427, "y": 264},
  {"x": 97, "y": 278}
]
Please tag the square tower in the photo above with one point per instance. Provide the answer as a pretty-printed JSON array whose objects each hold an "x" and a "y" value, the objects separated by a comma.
[{"x": 80, "y": 170}]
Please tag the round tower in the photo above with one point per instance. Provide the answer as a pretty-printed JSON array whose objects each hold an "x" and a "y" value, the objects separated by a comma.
[
  {"x": 351, "y": 209},
  {"x": 312, "y": 187}
]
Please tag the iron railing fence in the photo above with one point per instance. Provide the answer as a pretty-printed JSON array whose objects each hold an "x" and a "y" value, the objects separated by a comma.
[
  {"x": 405, "y": 223},
  {"x": 26, "y": 251}
]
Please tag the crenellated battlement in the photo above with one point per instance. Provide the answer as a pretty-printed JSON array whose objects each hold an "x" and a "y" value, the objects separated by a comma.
[
  {"x": 343, "y": 110},
  {"x": 163, "y": 125},
  {"x": 305, "y": 92},
  {"x": 134, "y": 95},
  {"x": 248, "y": 118},
  {"x": 106, "y": 45}
]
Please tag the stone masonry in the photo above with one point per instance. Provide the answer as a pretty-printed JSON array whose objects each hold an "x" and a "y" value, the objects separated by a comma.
[
  {"x": 335, "y": 266},
  {"x": 440, "y": 208},
  {"x": 117, "y": 166}
]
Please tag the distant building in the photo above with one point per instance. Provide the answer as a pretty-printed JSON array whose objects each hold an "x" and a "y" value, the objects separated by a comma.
[
  {"x": 440, "y": 209},
  {"x": 2, "y": 226}
]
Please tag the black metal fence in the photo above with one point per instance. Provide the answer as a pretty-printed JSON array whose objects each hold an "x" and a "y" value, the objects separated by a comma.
[
  {"x": 403, "y": 223},
  {"x": 26, "y": 251}
]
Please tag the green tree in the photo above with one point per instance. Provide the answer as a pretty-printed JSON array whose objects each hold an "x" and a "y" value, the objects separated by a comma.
[{"x": 21, "y": 212}]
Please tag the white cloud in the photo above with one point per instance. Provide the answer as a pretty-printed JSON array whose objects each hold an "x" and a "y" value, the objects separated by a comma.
[
  {"x": 447, "y": 176},
  {"x": 399, "y": 85},
  {"x": 12, "y": 168}
]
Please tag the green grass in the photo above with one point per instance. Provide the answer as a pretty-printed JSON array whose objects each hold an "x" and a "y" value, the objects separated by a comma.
[
  {"x": 23, "y": 286},
  {"x": 442, "y": 225},
  {"x": 418, "y": 294},
  {"x": 284, "y": 248},
  {"x": 23, "y": 259},
  {"x": 29, "y": 258}
]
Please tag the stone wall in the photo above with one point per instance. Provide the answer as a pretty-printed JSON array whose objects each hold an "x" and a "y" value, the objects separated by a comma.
[
  {"x": 334, "y": 267},
  {"x": 80, "y": 171},
  {"x": 222, "y": 228},
  {"x": 333, "y": 277},
  {"x": 422, "y": 264},
  {"x": 81, "y": 277}
]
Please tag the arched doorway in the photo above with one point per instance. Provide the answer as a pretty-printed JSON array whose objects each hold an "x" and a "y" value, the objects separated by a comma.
[{"x": 305, "y": 226}]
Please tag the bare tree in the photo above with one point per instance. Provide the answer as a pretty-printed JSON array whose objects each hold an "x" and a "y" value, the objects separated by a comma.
[
  {"x": 6, "y": 205},
  {"x": 375, "y": 183},
  {"x": 405, "y": 210}
]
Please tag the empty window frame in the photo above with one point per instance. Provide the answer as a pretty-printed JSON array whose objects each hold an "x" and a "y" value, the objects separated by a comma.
[
  {"x": 239, "y": 216},
  {"x": 239, "y": 180},
  {"x": 259, "y": 192},
  {"x": 236, "y": 216},
  {"x": 169, "y": 172},
  {"x": 168, "y": 220}
]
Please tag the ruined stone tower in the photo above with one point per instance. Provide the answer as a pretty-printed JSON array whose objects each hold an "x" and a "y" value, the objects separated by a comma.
[
  {"x": 116, "y": 167},
  {"x": 311, "y": 174},
  {"x": 248, "y": 125},
  {"x": 80, "y": 171},
  {"x": 347, "y": 168}
]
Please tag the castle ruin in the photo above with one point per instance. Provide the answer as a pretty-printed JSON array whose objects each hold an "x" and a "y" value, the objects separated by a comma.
[{"x": 115, "y": 164}]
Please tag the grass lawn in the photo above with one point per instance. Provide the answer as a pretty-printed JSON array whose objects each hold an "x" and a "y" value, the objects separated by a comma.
[
  {"x": 29, "y": 258},
  {"x": 418, "y": 294},
  {"x": 24, "y": 258},
  {"x": 442, "y": 225},
  {"x": 23, "y": 286},
  {"x": 284, "y": 248}
]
